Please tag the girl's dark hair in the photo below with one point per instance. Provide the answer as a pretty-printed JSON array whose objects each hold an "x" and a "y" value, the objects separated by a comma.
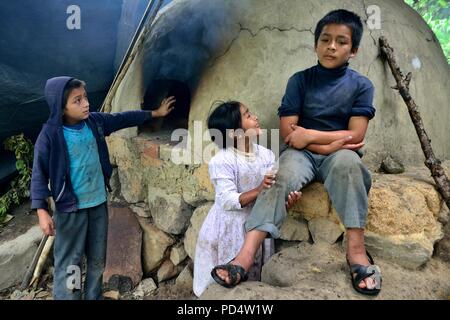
[
  {"x": 341, "y": 16},
  {"x": 226, "y": 116},
  {"x": 72, "y": 84}
]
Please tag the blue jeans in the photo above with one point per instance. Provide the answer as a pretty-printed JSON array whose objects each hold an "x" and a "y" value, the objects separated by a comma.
[
  {"x": 80, "y": 233},
  {"x": 345, "y": 177}
]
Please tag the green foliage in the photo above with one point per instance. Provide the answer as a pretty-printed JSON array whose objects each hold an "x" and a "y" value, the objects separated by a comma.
[
  {"x": 19, "y": 187},
  {"x": 437, "y": 15}
]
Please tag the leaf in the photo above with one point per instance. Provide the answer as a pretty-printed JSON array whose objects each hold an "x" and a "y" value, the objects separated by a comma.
[{"x": 19, "y": 187}]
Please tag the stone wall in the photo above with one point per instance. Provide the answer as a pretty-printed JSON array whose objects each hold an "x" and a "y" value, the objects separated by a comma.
[{"x": 171, "y": 201}]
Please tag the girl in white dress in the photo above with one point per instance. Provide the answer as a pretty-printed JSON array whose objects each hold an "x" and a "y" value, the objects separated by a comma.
[{"x": 239, "y": 172}]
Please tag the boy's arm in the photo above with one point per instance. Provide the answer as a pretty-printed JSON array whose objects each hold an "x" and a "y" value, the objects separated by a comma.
[
  {"x": 326, "y": 149},
  {"x": 286, "y": 125},
  {"x": 300, "y": 137},
  {"x": 39, "y": 191},
  {"x": 357, "y": 127},
  {"x": 117, "y": 121},
  {"x": 306, "y": 138}
]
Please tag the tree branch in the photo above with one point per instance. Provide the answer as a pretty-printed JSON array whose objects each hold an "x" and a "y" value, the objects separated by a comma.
[{"x": 434, "y": 164}]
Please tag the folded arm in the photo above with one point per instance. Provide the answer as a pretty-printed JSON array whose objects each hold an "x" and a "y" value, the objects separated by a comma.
[{"x": 324, "y": 142}]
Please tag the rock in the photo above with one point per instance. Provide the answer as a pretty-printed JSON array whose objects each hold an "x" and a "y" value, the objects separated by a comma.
[
  {"x": 123, "y": 270},
  {"x": 166, "y": 271},
  {"x": 165, "y": 152},
  {"x": 138, "y": 293},
  {"x": 403, "y": 218},
  {"x": 184, "y": 280},
  {"x": 113, "y": 295},
  {"x": 409, "y": 251},
  {"x": 320, "y": 272},
  {"x": 178, "y": 254},
  {"x": 114, "y": 182},
  {"x": 169, "y": 211},
  {"x": 198, "y": 187},
  {"x": 145, "y": 288},
  {"x": 16, "y": 256},
  {"x": 42, "y": 295},
  {"x": 294, "y": 230},
  {"x": 133, "y": 184},
  {"x": 141, "y": 210},
  {"x": 7, "y": 219},
  {"x": 443, "y": 247},
  {"x": 283, "y": 244},
  {"x": 154, "y": 246},
  {"x": 191, "y": 235},
  {"x": 403, "y": 214},
  {"x": 392, "y": 165},
  {"x": 29, "y": 296},
  {"x": 324, "y": 230},
  {"x": 314, "y": 202},
  {"x": 444, "y": 215},
  {"x": 17, "y": 295}
]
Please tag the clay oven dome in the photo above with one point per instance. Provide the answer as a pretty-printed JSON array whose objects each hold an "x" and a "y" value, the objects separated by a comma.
[{"x": 247, "y": 49}]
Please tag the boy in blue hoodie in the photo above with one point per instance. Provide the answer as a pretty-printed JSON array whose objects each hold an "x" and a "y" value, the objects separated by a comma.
[{"x": 71, "y": 164}]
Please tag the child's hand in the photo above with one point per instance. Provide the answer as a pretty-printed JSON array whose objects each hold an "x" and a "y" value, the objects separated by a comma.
[
  {"x": 165, "y": 108},
  {"x": 269, "y": 180},
  {"x": 46, "y": 222},
  {"x": 293, "y": 197}
]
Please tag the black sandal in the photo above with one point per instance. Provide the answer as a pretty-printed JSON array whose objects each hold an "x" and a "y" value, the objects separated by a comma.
[
  {"x": 362, "y": 272},
  {"x": 233, "y": 270}
]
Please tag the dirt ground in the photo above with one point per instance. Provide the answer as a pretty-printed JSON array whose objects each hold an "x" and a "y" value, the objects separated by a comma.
[
  {"x": 166, "y": 291},
  {"x": 24, "y": 219}
]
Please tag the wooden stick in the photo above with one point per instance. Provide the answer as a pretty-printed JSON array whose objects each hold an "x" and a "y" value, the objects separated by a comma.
[
  {"x": 434, "y": 164},
  {"x": 42, "y": 259},
  {"x": 30, "y": 271}
]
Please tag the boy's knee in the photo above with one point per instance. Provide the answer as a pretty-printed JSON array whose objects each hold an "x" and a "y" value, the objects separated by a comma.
[
  {"x": 283, "y": 177},
  {"x": 292, "y": 166},
  {"x": 346, "y": 160}
]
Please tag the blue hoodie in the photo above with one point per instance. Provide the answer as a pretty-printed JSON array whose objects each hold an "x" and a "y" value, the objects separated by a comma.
[{"x": 51, "y": 159}]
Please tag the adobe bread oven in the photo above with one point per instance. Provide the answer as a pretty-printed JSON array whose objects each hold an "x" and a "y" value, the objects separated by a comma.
[{"x": 202, "y": 51}]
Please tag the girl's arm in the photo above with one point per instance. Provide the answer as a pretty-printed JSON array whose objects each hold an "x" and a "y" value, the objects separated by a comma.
[{"x": 248, "y": 197}]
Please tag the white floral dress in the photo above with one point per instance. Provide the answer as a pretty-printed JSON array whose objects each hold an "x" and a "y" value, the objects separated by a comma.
[{"x": 222, "y": 234}]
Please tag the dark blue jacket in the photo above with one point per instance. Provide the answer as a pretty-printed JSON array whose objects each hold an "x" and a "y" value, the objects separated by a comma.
[{"x": 51, "y": 159}]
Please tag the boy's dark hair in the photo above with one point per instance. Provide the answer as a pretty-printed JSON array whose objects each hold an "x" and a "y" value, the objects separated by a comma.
[
  {"x": 226, "y": 116},
  {"x": 72, "y": 84},
  {"x": 341, "y": 16}
]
